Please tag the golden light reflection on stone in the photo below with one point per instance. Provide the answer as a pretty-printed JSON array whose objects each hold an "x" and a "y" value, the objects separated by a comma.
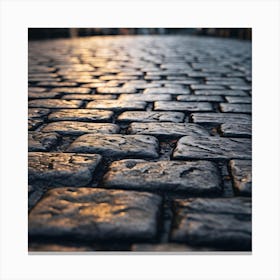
[{"x": 103, "y": 212}]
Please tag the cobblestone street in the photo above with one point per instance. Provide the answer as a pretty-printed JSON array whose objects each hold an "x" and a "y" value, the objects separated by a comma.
[{"x": 139, "y": 143}]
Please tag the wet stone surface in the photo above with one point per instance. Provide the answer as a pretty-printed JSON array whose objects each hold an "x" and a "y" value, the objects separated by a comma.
[
  {"x": 143, "y": 116},
  {"x": 138, "y": 146},
  {"x": 116, "y": 105},
  {"x": 236, "y": 108},
  {"x": 95, "y": 214},
  {"x": 241, "y": 171},
  {"x": 166, "y": 129},
  {"x": 87, "y": 115},
  {"x": 236, "y": 130},
  {"x": 54, "y": 103},
  {"x": 61, "y": 169},
  {"x": 216, "y": 148},
  {"x": 79, "y": 128},
  {"x": 220, "y": 118},
  {"x": 175, "y": 176},
  {"x": 183, "y": 106},
  {"x": 218, "y": 222},
  {"x": 126, "y": 126},
  {"x": 41, "y": 142}
]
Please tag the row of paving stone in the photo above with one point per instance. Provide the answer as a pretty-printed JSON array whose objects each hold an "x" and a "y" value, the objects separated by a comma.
[{"x": 136, "y": 148}]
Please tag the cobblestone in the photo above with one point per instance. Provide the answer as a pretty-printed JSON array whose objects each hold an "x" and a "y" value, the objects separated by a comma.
[
  {"x": 79, "y": 128},
  {"x": 139, "y": 143},
  {"x": 166, "y": 129},
  {"x": 188, "y": 177},
  {"x": 95, "y": 214},
  {"x": 54, "y": 103},
  {"x": 236, "y": 108},
  {"x": 41, "y": 142},
  {"x": 61, "y": 169},
  {"x": 183, "y": 106},
  {"x": 117, "y": 105},
  {"x": 138, "y": 146},
  {"x": 241, "y": 171},
  {"x": 203, "y": 147},
  {"x": 213, "y": 222},
  {"x": 82, "y": 115},
  {"x": 143, "y": 116}
]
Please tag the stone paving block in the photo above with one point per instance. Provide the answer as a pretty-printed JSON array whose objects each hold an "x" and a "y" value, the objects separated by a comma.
[
  {"x": 167, "y": 90},
  {"x": 199, "y": 98},
  {"x": 166, "y": 129},
  {"x": 221, "y": 92},
  {"x": 34, "y": 113},
  {"x": 89, "y": 97},
  {"x": 236, "y": 108},
  {"x": 57, "y": 84},
  {"x": 183, "y": 106},
  {"x": 218, "y": 222},
  {"x": 206, "y": 87},
  {"x": 241, "y": 171},
  {"x": 34, "y": 123},
  {"x": 115, "y": 90},
  {"x": 54, "y": 103},
  {"x": 96, "y": 214},
  {"x": 237, "y": 99},
  {"x": 240, "y": 87},
  {"x": 61, "y": 169},
  {"x": 79, "y": 128},
  {"x": 144, "y": 116},
  {"x": 138, "y": 146},
  {"x": 43, "y": 95},
  {"x": 116, "y": 105},
  {"x": 82, "y": 115},
  {"x": 220, "y": 118},
  {"x": 144, "y": 97},
  {"x": 214, "y": 148},
  {"x": 175, "y": 176},
  {"x": 41, "y": 142},
  {"x": 236, "y": 129},
  {"x": 74, "y": 90}
]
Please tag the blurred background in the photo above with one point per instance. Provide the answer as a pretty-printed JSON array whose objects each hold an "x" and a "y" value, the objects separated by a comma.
[{"x": 51, "y": 33}]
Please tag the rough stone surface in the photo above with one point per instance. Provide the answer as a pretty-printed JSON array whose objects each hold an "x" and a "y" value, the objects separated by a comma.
[
  {"x": 216, "y": 222},
  {"x": 169, "y": 90},
  {"x": 200, "y": 98},
  {"x": 79, "y": 128},
  {"x": 95, "y": 214},
  {"x": 143, "y": 116},
  {"x": 86, "y": 115},
  {"x": 61, "y": 169},
  {"x": 239, "y": 100},
  {"x": 41, "y": 142},
  {"x": 235, "y": 108},
  {"x": 203, "y": 147},
  {"x": 34, "y": 113},
  {"x": 176, "y": 176},
  {"x": 220, "y": 118},
  {"x": 134, "y": 98},
  {"x": 221, "y": 92},
  {"x": 167, "y": 129},
  {"x": 241, "y": 171},
  {"x": 116, "y": 105},
  {"x": 236, "y": 130},
  {"x": 183, "y": 106},
  {"x": 144, "y": 97},
  {"x": 138, "y": 146},
  {"x": 54, "y": 103}
]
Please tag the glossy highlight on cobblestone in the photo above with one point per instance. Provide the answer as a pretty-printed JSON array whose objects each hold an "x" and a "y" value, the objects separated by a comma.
[{"x": 140, "y": 144}]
